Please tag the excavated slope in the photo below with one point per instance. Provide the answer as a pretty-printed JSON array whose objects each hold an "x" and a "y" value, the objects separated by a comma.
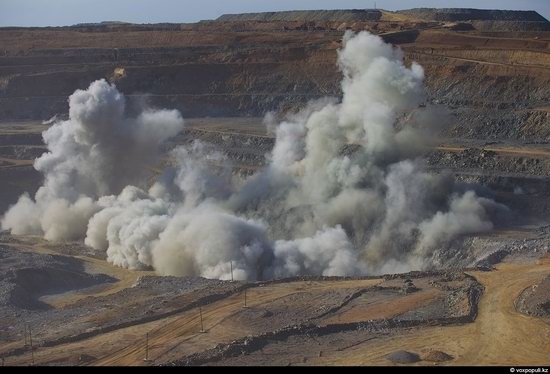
[
  {"x": 467, "y": 14},
  {"x": 307, "y": 15}
]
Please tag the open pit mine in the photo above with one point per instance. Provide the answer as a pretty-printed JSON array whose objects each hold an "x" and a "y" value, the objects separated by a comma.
[{"x": 347, "y": 187}]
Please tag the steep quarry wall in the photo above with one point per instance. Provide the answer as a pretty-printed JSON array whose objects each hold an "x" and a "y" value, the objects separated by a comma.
[
  {"x": 307, "y": 15},
  {"x": 466, "y": 14},
  {"x": 198, "y": 82},
  {"x": 501, "y": 26},
  {"x": 496, "y": 83}
]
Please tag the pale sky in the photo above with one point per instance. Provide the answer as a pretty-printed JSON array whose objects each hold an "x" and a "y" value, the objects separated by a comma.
[{"x": 70, "y": 12}]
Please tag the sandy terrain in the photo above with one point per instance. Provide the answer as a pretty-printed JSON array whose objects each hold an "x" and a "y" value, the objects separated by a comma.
[
  {"x": 498, "y": 327},
  {"x": 499, "y": 336},
  {"x": 126, "y": 346}
]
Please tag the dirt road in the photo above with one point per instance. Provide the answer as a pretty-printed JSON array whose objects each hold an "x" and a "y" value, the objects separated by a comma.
[
  {"x": 499, "y": 336},
  {"x": 169, "y": 337},
  {"x": 519, "y": 151},
  {"x": 183, "y": 332}
]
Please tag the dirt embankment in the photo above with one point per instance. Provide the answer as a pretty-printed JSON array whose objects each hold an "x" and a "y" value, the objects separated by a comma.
[
  {"x": 333, "y": 320},
  {"x": 275, "y": 310},
  {"x": 307, "y": 16},
  {"x": 27, "y": 277},
  {"x": 499, "y": 335},
  {"x": 468, "y": 14},
  {"x": 535, "y": 300}
]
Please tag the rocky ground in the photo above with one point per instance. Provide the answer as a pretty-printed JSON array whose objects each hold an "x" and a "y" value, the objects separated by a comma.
[
  {"x": 60, "y": 296},
  {"x": 535, "y": 300},
  {"x": 494, "y": 81},
  {"x": 78, "y": 314},
  {"x": 82, "y": 310}
]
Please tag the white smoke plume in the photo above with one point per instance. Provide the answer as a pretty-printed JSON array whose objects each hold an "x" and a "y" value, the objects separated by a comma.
[
  {"x": 96, "y": 152},
  {"x": 345, "y": 190}
]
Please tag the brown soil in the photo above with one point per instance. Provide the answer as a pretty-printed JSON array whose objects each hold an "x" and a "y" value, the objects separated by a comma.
[
  {"x": 499, "y": 336},
  {"x": 437, "y": 356}
]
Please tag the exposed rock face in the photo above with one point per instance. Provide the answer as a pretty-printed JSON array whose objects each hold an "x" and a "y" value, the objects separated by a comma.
[
  {"x": 535, "y": 300},
  {"x": 496, "y": 85},
  {"x": 307, "y": 15},
  {"x": 28, "y": 276},
  {"x": 403, "y": 357},
  {"x": 438, "y": 356},
  {"x": 466, "y": 14}
]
